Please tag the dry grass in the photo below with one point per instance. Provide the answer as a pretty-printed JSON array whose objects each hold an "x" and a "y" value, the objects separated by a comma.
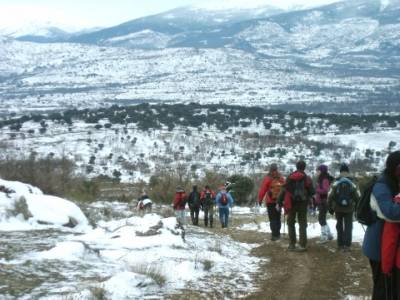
[{"x": 151, "y": 271}]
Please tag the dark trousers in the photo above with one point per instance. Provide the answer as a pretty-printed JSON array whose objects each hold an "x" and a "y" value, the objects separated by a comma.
[
  {"x": 208, "y": 215},
  {"x": 322, "y": 210},
  {"x": 224, "y": 216},
  {"x": 274, "y": 220},
  {"x": 344, "y": 227},
  {"x": 299, "y": 211},
  {"x": 384, "y": 287},
  {"x": 194, "y": 215}
]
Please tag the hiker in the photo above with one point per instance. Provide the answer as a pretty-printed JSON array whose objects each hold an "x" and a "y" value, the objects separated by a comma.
[
  {"x": 179, "y": 205},
  {"x": 383, "y": 193},
  {"x": 297, "y": 195},
  {"x": 224, "y": 201},
  {"x": 342, "y": 200},
  {"x": 194, "y": 205},
  {"x": 390, "y": 249},
  {"x": 207, "y": 198},
  {"x": 269, "y": 191},
  {"x": 144, "y": 204},
  {"x": 324, "y": 180}
]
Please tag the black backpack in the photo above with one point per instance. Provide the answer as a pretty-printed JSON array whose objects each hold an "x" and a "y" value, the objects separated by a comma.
[
  {"x": 299, "y": 190},
  {"x": 195, "y": 199},
  {"x": 364, "y": 214},
  {"x": 208, "y": 199},
  {"x": 343, "y": 192}
]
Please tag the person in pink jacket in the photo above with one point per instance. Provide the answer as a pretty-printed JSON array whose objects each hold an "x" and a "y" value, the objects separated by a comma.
[{"x": 323, "y": 185}]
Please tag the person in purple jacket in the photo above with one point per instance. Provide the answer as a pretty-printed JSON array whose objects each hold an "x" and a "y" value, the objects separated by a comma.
[
  {"x": 384, "y": 190},
  {"x": 323, "y": 185}
]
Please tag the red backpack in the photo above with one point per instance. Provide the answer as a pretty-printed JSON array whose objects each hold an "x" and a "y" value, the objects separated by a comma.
[{"x": 224, "y": 199}]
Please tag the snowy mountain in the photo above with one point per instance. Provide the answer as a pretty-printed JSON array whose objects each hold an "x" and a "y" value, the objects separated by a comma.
[
  {"x": 346, "y": 52},
  {"x": 175, "y": 24},
  {"x": 39, "y": 31}
]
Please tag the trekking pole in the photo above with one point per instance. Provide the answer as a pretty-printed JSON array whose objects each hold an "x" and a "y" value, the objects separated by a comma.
[{"x": 284, "y": 223}]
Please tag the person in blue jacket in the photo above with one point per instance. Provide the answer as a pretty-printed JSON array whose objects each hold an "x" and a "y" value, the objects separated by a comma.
[
  {"x": 224, "y": 201},
  {"x": 384, "y": 190}
]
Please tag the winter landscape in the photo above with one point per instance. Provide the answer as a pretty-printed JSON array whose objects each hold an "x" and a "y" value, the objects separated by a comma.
[{"x": 195, "y": 95}]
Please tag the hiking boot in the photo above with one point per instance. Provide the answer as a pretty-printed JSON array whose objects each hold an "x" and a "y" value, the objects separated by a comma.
[
  {"x": 292, "y": 247},
  {"x": 275, "y": 238},
  {"x": 346, "y": 249},
  {"x": 301, "y": 249}
]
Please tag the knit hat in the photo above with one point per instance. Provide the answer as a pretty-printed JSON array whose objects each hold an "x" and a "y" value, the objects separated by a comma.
[
  {"x": 344, "y": 168},
  {"x": 393, "y": 164},
  {"x": 323, "y": 169},
  {"x": 301, "y": 165}
]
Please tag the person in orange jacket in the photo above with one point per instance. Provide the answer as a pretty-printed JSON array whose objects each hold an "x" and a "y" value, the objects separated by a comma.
[{"x": 269, "y": 191}]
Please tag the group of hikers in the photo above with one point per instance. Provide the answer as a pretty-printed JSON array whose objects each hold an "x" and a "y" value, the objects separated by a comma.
[
  {"x": 339, "y": 196},
  {"x": 204, "y": 200},
  {"x": 297, "y": 193}
]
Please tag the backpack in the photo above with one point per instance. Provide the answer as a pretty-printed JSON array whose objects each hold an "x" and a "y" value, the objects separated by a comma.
[
  {"x": 299, "y": 190},
  {"x": 275, "y": 188},
  {"x": 208, "y": 198},
  {"x": 364, "y": 214},
  {"x": 343, "y": 192},
  {"x": 224, "y": 199},
  {"x": 195, "y": 199}
]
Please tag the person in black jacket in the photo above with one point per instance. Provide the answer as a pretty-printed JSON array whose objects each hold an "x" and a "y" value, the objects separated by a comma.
[{"x": 194, "y": 205}]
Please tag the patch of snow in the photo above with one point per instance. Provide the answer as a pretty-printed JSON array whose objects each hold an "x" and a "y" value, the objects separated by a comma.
[
  {"x": 371, "y": 140},
  {"x": 64, "y": 251},
  {"x": 128, "y": 285},
  {"x": 42, "y": 209}
]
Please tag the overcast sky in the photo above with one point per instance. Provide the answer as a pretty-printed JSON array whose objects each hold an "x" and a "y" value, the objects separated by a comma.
[{"x": 103, "y": 13}]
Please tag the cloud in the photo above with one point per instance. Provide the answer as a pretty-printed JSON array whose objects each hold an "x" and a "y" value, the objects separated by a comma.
[{"x": 16, "y": 15}]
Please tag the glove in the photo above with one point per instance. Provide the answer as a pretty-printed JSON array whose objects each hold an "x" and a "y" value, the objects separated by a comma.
[
  {"x": 331, "y": 211},
  {"x": 278, "y": 207}
]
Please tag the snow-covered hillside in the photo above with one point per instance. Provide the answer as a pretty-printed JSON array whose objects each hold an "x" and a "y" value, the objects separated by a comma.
[
  {"x": 341, "y": 57},
  {"x": 137, "y": 142},
  {"x": 47, "y": 77}
]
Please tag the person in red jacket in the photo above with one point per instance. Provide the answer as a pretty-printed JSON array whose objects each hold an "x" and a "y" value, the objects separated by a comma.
[
  {"x": 298, "y": 192},
  {"x": 207, "y": 198},
  {"x": 269, "y": 191},
  {"x": 390, "y": 248},
  {"x": 179, "y": 205}
]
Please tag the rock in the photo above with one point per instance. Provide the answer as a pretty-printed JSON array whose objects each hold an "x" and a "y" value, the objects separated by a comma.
[
  {"x": 71, "y": 223},
  {"x": 154, "y": 230}
]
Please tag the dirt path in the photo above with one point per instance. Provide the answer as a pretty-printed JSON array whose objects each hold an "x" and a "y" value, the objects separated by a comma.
[{"x": 320, "y": 273}]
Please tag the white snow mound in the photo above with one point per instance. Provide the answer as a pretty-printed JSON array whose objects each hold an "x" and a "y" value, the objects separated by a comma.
[{"x": 24, "y": 207}]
